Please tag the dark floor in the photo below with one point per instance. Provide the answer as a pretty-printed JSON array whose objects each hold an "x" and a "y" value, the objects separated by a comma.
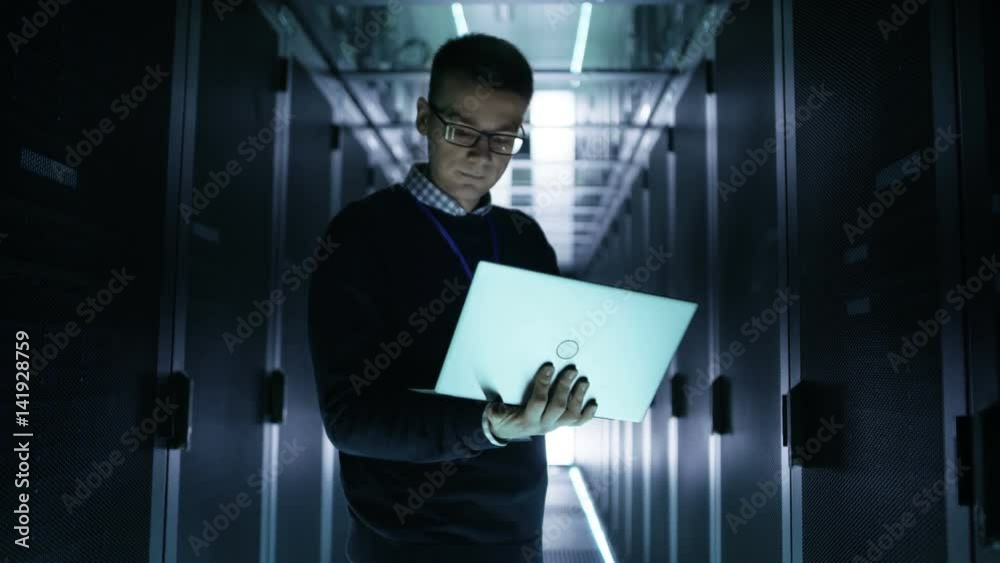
[{"x": 567, "y": 537}]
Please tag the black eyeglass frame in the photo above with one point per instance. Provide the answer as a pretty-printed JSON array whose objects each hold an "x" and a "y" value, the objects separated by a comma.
[{"x": 479, "y": 133}]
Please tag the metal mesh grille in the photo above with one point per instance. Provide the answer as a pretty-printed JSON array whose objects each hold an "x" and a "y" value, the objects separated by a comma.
[
  {"x": 45, "y": 167},
  {"x": 854, "y": 311},
  {"x": 91, "y": 475}
]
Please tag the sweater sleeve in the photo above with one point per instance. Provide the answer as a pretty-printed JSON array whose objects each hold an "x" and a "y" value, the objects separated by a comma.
[{"x": 371, "y": 418}]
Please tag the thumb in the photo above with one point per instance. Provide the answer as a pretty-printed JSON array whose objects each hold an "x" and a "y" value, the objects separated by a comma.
[{"x": 497, "y": 406}]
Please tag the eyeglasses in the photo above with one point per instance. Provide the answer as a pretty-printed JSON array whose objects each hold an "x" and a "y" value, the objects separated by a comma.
[{"x": 465, "y": 136}]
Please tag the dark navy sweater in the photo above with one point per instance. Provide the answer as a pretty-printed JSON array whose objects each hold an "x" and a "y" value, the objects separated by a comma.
[{"x": 422, "y": 481}]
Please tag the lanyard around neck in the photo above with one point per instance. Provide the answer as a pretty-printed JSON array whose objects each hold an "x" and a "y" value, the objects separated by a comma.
[{"x": 451, "y": 242}]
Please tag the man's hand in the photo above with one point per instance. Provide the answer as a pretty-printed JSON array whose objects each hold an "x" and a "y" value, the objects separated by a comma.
[{"x": 543, "y": 413}]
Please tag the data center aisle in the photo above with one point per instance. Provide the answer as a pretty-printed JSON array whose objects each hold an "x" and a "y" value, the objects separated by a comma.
[{"x": 567, "y": 535}]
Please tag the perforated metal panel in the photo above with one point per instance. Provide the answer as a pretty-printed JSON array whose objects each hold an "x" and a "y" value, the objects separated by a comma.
[
  {"x": 67, "y": 230},
  {"x": 860, "y": 295}
]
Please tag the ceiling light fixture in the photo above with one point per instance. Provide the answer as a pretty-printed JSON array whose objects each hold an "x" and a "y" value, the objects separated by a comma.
[
  {"x": 580, "y": 47},
  {"x": 459, "y": 14}
]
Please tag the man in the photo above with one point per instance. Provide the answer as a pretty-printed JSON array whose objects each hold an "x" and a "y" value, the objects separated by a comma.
[{"x": 427, "y": 477}]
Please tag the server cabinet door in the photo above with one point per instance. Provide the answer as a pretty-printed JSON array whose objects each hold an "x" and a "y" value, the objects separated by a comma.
[
  {"x": 659, "y": 414},
  {"x": 640, "y": 271},
  {"x": 867, "y": 407},
  {"x": 227, "y": 290},
  {"x": 690, "y": 283},
  {"x": 307, "y": 211},
  {"x": 976, "y": 46},
  {"x": 81, "y": 208},
  {"x": 751, "y": 301}
]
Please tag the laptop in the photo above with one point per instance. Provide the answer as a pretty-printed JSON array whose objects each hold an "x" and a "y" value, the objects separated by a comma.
[{"x": 514, "y": 320}]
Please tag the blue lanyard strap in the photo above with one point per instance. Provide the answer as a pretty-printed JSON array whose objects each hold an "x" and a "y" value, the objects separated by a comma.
[{"x": 451, "y": 241}]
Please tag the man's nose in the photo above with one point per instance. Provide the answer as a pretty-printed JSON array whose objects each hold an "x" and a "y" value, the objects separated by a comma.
[{"x": 481, "y": 148}]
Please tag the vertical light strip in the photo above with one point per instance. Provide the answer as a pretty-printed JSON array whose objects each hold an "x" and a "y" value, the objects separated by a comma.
[
  {"x": 715, "y": 494},
  {"x": 273, "y": 357},
  {"x": 269, "y": 492},
  {"x": 615, "y": 514},
  {"x": 327, "y": 469},
  {"x": 461, "y": 27},
  {"x": 785, "y": 178},
  {"x": 580, "y": 46},
  {"x": 672, "y": 464},
  {"x": 588, "y": 510},
  {"x": 605, "y": 465},
  {"x": 714, "y": 280},
  {"x": 647, "y": 486},
  {"x": 629, "y": 488}
]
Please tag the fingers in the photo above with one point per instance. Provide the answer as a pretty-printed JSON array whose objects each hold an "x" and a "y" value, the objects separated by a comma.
[
  {"x": 540, "y": 392},
  {"x": 575, "y": 407},
  {"x": 588, "y": 413},
  {"x": 559, "y": 406},
  {"x": 559, "y": 400}
]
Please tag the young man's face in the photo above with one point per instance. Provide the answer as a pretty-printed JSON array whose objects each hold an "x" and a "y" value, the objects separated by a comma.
[{"x": 467, "y": 173}]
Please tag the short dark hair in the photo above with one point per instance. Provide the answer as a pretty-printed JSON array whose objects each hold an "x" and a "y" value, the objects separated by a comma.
[{"x": 478, "y": 55}]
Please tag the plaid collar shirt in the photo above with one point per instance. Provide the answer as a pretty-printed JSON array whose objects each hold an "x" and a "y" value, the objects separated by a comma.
[{"x": 428, "y": 193}]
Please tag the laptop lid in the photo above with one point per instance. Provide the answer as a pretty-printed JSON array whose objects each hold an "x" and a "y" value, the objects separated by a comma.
[{"x": 514, "y": 320}]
